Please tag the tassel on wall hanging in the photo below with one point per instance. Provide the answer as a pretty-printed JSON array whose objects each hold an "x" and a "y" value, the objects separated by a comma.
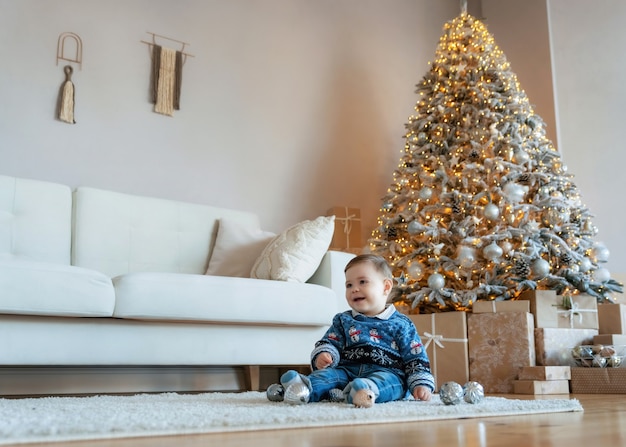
[
  {"x": 66, "y": 102},
  {"x": 166, "y": 75}
]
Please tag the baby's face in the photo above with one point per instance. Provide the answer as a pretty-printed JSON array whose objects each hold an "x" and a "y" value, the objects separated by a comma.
[{"x": 367, "y": 289}]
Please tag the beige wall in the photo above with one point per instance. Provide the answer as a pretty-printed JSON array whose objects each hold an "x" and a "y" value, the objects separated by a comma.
[{"x": 289, "y": 107}]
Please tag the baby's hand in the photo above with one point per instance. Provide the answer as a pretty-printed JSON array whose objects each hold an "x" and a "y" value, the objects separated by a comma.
[
  {"x": 323, "y": 360},
  {"x": 421, "y": 393}
]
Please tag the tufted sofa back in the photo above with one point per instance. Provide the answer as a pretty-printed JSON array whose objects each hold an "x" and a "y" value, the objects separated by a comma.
[
  {"x": 35, "y": 220},
  {"x": 118, "y": 233}
]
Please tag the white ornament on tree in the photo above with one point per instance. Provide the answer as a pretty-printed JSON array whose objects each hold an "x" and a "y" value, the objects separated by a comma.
[
  {"x": 415, "y": 270},
  {"x": 436, "y": 281},
  {"x": 540, "y": 268},
  {"x": 602, "y": 275},
  {"x": 585, "y": 265},
  {"x": 466, "y": 256},
  {"x": 515, "y": 193},
  {"x": 600, "y": 253},
  {"x": 491, "y": 211},
  {"x": 425, "y": 193},
  {"x": 492, "y": 251}
]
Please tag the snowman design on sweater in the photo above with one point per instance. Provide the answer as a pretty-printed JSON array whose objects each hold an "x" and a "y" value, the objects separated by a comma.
[{"x": 388, "y": 340}]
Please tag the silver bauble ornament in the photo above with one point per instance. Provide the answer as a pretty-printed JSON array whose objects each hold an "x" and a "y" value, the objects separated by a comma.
[
  {"x": 585, "y": 265},
  {"x": 387, "y": 206},
  {"x": 473, "y": 392},
  {"x": 492, "y": 251},
  {"x": 436, "y": 281},
  {"x": 514, "y": 193},
  {"x": 451, "y": 393},
  {"x": 466, "y": 256},
  {"x": 506, "y": 247},
  {"x": 540, "y": 268},
  {"x": 520, "y": 157},
  {"x": 413, "y": 227},
  {"x": 297, "y": 394},
  {"x": 275, "y": 392},
  {"x": 491, "y": 211},
  {"x": 415, "y": 270},
  {"x": 600, "y": 253},
  {"x": 425, "y": 193},
  {"x": 601, "y": 275},
  {"x": 336, "y": 395}
]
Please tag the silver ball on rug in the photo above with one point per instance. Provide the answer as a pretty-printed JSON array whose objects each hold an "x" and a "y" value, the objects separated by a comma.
[
  {"x": 336, "y": 395},
  {"x": 451, "y": 393},
  {"x": 275, "y": 392},
  {"x": 297, "y": 394},
  {"x": 473, "y": 392}
]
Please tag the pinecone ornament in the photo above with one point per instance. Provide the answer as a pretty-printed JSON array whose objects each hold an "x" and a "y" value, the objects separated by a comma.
[{"x": 521, "y": 268}]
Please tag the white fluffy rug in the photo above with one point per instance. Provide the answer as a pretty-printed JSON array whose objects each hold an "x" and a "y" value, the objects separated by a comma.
[{"x": 54, "y": 419}]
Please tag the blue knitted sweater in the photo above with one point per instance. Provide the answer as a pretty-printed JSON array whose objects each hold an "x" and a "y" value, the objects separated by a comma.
[{"x": 389, "y": 340}]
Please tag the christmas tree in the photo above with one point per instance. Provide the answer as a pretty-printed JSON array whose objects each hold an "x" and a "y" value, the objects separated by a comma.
[{"x": 481, "y": 206}]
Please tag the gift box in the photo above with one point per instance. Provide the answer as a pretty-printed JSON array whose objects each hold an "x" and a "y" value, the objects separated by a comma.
[
  {"x": 554, "y": 345},
  {"x": 499, "y": 345},
  {"x": 610, "y": 339},
  {"x": 612, "y": 318},
  {"x": 444, "y": 335},
  {"x": 347, "y": 228},
  {"x": 598, "y": 380},
  {"x": 541, "y": 387},
  {"x": 542, "y": 306},
  {"x": 484, "y": 306},
  {"x": 578, "y": 311},
  {"x": 545, "y": 373},
  {"x": 556, "y": 311}
]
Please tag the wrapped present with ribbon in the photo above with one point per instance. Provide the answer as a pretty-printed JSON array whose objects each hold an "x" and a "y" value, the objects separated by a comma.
[
  {"x": 499, "y": 345},
  {"x": 347, "y": 236},
  {"x": 578, "y": 312},
  {"x": 444, "y": 335}
]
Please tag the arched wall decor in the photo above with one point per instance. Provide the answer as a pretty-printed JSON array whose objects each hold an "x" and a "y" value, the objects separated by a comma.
[{"x": 62, "y": 48}]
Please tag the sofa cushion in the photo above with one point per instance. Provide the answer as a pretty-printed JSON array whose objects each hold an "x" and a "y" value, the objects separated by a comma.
[
  {"x": 295, "y": 254},
  {"x": 41, "y": 288},
  {"x": 221, "y": 299},
  {"x": 236, "y": 248}
]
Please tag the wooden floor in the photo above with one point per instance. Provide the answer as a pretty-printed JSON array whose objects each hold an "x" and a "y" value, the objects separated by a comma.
[{"x": 603, "y": 423}]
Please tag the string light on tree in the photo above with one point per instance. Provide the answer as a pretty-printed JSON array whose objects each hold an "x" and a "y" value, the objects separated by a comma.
[{"x": 481, "y": 206}]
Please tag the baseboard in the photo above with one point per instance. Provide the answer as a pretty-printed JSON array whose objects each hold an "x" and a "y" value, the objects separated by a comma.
[{"x": 18, "y": 381}]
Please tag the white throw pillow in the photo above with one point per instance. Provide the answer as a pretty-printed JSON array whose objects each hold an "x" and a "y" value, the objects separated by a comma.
[
  {"x": 236, "y": 248},
  {"x": 296, "y": 253}
]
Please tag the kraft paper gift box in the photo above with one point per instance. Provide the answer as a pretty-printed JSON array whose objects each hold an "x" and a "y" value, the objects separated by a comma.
[
  {"x": 598, "y": 380},
  {"x": 545, "y": 373},
  {"x": 549, "y": 311},
  {"x": 612, "y": 318},
  {"x": 541, "y": 386},
  {"x": 581, "y": 314},
  {"x": 347, "y": 234},
  {"x": 445, "y": 337},
  {"x": 499, "y": 345},
  {"x": 542, "y": 306},
  {"x": 480, "y": 307},
  {"x": 554, "y": 345},
  {"x": 610, "y": 339}
]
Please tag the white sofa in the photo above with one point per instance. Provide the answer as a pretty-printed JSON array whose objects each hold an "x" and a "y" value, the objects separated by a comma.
[{"x": 92, "y": 281}]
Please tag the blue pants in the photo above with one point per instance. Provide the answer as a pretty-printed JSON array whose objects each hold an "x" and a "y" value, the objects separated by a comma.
[{"x": 390, "y": 385}]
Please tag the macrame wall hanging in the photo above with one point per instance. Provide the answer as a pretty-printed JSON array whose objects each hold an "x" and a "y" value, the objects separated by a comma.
[
  {"x": 65, "y": 44},
  {"x": 166, "y": 75}
]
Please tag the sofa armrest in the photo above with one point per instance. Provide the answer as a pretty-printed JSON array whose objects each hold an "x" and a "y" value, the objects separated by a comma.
[{"x": 330, "y": 273}]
